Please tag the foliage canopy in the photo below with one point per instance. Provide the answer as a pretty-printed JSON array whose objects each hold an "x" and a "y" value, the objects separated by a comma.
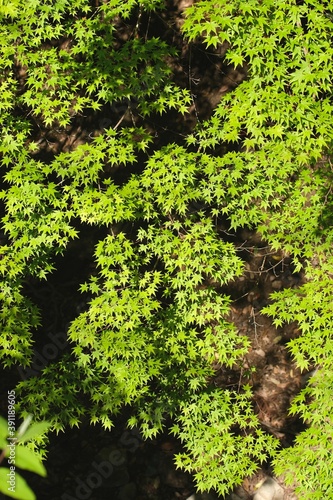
[{"x": 156, "y": 318}]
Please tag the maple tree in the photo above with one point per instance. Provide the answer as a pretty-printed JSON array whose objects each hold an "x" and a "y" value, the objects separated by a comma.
[{"x": 156, "y": 317}]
